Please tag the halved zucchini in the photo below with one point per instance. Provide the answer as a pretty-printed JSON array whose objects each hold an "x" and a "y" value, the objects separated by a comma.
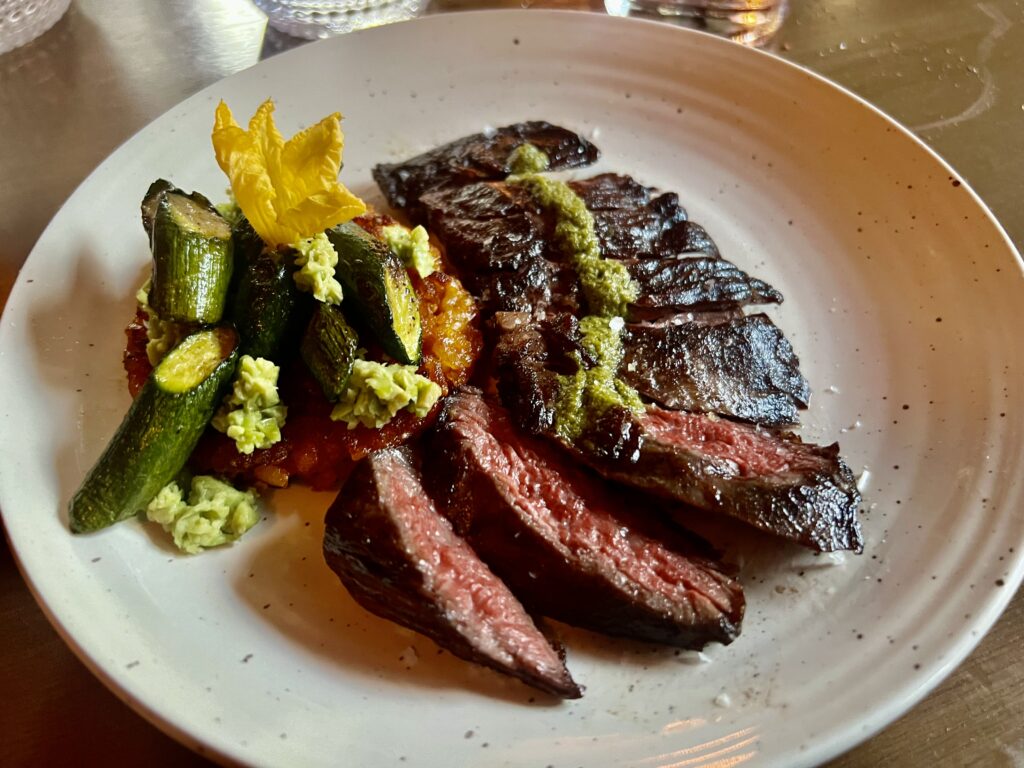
[
  {"x": 329, "y": 349},
  {"x": 156, "y": 190},
  {"x": 378, "y": 291},
  {"x": 159, "y": 431},
  {"x": 266, "y": 306},
  {"x": 192, "y": 260}
]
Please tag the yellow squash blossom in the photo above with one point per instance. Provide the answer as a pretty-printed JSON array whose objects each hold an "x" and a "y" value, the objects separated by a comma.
[{"x": 288, "y": 190}]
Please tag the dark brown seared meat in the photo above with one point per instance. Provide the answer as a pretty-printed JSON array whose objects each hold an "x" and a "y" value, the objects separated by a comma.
[
  {"x": 482, "y": 223},
  {"x": 697, "y": 284},
  {"x": 480, "y": 157},
  {"x": 529, "y": 357},
  {"x": 565, "y": 543},
  {"x": 777, "y": 483},
  {"x": 632, "y": 222},
  {"x": 488, "y": 226},
  {"x": 504, "y": 244},
  {"x": 773, "y": 481},
  {"x": 665, "y": 286},
  {"x": 539, "y": 287},
  {"x": 401, "y": 560},
  {"x": 742, "y": 368}
]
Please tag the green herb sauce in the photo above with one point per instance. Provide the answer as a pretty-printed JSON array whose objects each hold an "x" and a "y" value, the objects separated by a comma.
[
  {"x": 608, "y": 288},
  {"x": 607, "y": 285},
  {"x": 590, "y": 392},
  {"x": 527, "y": 158}
]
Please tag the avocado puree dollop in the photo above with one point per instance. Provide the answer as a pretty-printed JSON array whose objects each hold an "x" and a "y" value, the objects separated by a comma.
[
  {"x": 252, "y": 414},
  {"x": 215, "y": 513}
]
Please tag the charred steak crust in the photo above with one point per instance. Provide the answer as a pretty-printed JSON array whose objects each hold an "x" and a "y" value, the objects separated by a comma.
[
  {"x": 479, "y": 157},
  {"x": 633, "y": 221},
  {"x": 695, "y": 284},
  {"x": 401, "y": 560},
  {"x": 505, "y": 244},
  {"x": 773, "y": 481},
  {"x": 710, "y": 360},
  {"x": 742, "y": 368},
  {"x": 814, "y": 505},
  {"x": 565, "y": 543}
]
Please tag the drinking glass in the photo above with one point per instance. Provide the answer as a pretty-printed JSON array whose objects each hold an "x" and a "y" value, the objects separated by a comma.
[
  {"x": 751, "y": 22},
  {"x": 22, "y": 21},
  {"x": 313, "y": 19}
]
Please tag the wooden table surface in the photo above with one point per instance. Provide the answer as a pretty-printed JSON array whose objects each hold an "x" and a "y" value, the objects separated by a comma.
[{"x": 950, "y": 70}]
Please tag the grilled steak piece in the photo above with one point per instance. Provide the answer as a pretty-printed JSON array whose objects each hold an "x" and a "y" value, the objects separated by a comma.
[
  {"x": 495, "y": 225},
  {"x": 401, "y": 560},
  {"x": 742, "y": 368},
  {"x": 529, "y": 357},
  {"x": 539, "y": 287},
  {"x": 632, "y": 222},
  {"x": 480, "y": 157},
  {"x": 665, "y": 287},
  {"x": 775, "y": 482},
  {"x": 488, "y": 226},
  {"x": 697, "y": 284},
  {"x": 565, "y": 543}
]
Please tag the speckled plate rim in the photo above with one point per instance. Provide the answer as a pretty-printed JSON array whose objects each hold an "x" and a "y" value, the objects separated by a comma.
[{"x": 819, "y": 748}]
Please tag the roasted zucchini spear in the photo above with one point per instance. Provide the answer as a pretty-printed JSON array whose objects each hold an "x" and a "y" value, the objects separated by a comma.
[
  {"x": 156, "y": 190},
  {"x": 159, "y": 431},
  {"x": 329, "y": 349},
  {"x": 266, "y": 305},
  {"x": 192, "y": 260},
  {"x": 378, "y": 291}
]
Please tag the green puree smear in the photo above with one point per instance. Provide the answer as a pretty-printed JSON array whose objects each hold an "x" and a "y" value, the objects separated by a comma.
[
  {"x": 526, "y": 158},
  {"x": 586, "y": 394},
  {"x": 606, "y": 283},
  {"x": 608, "y": 289}
]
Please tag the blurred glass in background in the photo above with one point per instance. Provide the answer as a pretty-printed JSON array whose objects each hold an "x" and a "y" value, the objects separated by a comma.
[
  {"x": 22, "y": 21},
  {"x": 750, "y": 22},
  {"x": 313, "y": 19}
]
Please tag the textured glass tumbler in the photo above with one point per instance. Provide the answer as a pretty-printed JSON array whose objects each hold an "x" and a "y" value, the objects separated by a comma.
[
  {"x": 751, "y": 22},
  {"x": 313, "y": 19},
  {"x": 22, "y": 21}
]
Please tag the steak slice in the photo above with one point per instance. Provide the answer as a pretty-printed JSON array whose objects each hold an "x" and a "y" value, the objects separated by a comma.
[
  {"x": 479, "y": 157},
  {"x": 539, "y": 287},
  {"x": 773, "y": 481},
  {"x": 666, "y": 287},
  {"x": 495, "y": 227},
  {"x": 401, "y": 560},
  {"x": 742, "y": 368},
  {"x": 488, "y": 226},
  {"x": 696, "y": 284},
  {"x": 631, "y": 221},
  {"x": 482, "y": 222},
  {"x": 565, "y": 543}
]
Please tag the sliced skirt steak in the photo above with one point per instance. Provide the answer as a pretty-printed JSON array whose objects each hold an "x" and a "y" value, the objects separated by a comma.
[
  {"x": 401, "y": 560},
  {"x": 566, "y": 544}
]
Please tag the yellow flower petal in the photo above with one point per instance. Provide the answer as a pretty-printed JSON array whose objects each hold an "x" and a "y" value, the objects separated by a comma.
[{"x": 288, "y": 191}]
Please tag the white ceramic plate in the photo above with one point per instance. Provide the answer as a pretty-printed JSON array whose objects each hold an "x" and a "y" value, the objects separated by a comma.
[{"x": 903, "y": 301}]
